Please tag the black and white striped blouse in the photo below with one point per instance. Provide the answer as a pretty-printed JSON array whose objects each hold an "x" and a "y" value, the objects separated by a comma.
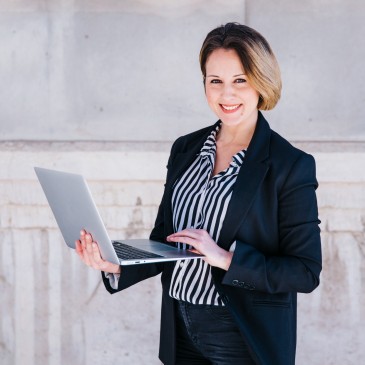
[{"x": 200, "y": 201}]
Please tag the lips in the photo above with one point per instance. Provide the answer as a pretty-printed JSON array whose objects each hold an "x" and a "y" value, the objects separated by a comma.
[{"x": 229, "y": 108}]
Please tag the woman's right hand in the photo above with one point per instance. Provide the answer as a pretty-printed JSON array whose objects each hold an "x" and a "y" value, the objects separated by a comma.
[{"x": 90, "y": 255}]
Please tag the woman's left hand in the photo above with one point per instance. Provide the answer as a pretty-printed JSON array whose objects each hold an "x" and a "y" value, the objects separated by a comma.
[{"x": 203, "y": 243}]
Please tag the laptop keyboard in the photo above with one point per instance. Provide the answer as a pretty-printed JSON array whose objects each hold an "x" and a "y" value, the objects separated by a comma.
[{"x": 126, "y": 252}]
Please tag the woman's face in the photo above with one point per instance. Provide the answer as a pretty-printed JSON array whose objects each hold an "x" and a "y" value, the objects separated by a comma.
[{"x": 228, "y": 92}]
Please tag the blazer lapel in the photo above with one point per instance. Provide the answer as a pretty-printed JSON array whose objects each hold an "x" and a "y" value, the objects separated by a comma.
[{"x": 249, "y": 179}]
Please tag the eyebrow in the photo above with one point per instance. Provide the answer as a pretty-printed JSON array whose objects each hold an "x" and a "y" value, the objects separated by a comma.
[{"x": 219, "y": 76}]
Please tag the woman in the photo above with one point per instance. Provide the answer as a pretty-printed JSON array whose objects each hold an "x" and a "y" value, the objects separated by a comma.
[{"x": 244, "y": 197}]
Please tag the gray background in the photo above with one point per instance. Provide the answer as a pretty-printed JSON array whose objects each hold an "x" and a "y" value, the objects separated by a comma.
[{"x": 128, "y": 70}]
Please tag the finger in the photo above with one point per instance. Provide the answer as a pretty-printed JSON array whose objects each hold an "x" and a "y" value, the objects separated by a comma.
[
  {"x": 94, "y": 254},
  {"x": 86, "y": 258},
  {"x": 89, "y": 250},
  {"x": 186, "y": 233},
  {"x": 81, "y": 253},
  {"x": 83, "y": 239},
  {"x": 98, "y": 260},
  {"x": 78, "y": 247},
  {"x": 184, "y": 239},
  {"x": 88, "y": 236},
  {"x": 88, "y": 243},
  {"x": 195, "y": 234},
  {"x": 193, "y": 250},
  {"x": 189, "y": 231}
]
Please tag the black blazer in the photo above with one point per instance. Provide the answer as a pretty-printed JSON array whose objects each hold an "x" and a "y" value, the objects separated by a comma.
[{"x": 273, "y": 217}]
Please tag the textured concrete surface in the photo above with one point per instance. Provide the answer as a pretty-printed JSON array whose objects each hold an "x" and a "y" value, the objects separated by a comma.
[
  {"x": 314, "y": 41},
  {"x": 94, "y": 70},
  {"x": 54, "y": 310}
]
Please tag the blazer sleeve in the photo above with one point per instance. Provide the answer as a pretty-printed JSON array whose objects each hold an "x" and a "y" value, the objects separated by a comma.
[
  {"x": 297, "y": 266},
  {"x": 131, "y": 275}
]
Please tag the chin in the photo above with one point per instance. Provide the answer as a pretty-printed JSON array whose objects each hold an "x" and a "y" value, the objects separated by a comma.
[
  {"x": 239, "y": 120},
  {"x": 231, "y": 121}
]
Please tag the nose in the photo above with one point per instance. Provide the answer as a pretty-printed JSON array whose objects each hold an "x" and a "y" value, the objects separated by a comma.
[{"x": 227, "y": 91}]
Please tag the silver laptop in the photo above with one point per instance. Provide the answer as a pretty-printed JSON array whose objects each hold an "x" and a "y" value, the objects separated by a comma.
[{"x": 74, "y": 209}]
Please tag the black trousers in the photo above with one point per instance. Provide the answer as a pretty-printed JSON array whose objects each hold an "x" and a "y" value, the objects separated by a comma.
[{"x": 207, "y": 334}]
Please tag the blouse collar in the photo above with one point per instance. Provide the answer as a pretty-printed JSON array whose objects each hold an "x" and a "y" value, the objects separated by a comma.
[{"x": 209, "y": 148}]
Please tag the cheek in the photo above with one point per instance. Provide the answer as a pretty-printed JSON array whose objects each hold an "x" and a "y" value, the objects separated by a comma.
[
  {"x": 255, "y": 96},
  {"x": 211, "y": 97}
]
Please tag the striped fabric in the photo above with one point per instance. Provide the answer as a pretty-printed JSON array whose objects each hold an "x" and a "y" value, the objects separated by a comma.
[{"x": 201, "y": 202}]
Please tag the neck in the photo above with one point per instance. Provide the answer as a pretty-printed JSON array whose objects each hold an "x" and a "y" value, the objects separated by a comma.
[{"x": 237, "y": 135}]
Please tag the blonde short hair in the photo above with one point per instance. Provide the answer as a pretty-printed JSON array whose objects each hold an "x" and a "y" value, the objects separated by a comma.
[{"x": 257, "y": 58}]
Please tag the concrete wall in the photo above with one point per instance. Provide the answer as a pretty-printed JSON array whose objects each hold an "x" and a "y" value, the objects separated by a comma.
[
  {"x": 320, "y": 47},
  {"x": 93, "y": 70},
  {"x": 68, "y": 70},
  {"x": 56, "y": 311}
]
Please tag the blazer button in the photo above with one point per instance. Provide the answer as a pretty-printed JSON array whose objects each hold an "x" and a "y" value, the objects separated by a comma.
[{"x": 235, "y": 282}]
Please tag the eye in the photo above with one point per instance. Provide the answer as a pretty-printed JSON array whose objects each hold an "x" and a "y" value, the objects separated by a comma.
[
  {"x": 239, "y": 81},
  {"x": 215, "y": 81}
]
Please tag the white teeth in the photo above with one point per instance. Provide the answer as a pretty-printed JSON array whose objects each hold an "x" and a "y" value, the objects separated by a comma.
[{"x": 230, "y": 107}]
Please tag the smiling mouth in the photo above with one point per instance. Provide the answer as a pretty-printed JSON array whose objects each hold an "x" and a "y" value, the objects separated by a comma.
[{"x": 229, "y": 108}]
